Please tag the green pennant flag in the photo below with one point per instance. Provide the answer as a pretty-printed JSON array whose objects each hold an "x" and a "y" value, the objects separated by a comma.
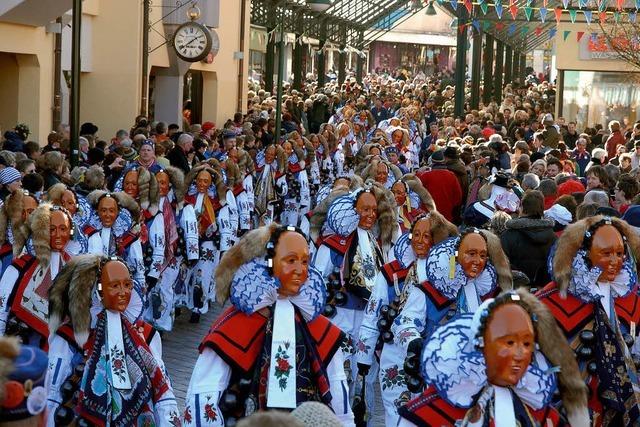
[
  {"x": 573, "y": 13},
  {"x": 565, "y": 35},
  {"x": 525, "y": 30},
  {"x": 486, "y": 25},
  {"x": 616, "y": 16},
  {"x": 484, "y": 7},
  {"x": 528, "y": 11}
]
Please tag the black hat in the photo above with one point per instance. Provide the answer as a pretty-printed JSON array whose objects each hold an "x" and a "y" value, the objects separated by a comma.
[
  {"x": 451, "y": 153},
  {"x": 88, "y": 129},
  {"x": 501, "y": 180},
  {"x": 437, "y": 156}
]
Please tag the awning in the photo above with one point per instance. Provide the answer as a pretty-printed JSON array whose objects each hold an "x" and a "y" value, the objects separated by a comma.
[{"x": 413, "y": 38}]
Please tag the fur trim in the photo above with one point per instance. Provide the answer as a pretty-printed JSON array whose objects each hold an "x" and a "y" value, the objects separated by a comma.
[
  {"x": 213, "y": 166},
  {"x": 55, "y": 192},
  {"x": 281, "y": 158},
  {"x": 387, "y": 213},
  {"x": 11, "y": 213},
  {"x": 176, "y": 177},
  {"x": 308, "y": 146},
  {"x": 94, "y": 178},
  {"x": 147, "y": 190},
  {"x": 124, "y": 202},
  {"x": 38, "y": 228},
  {"x": 416, "y": 186},
  {"x": 571, "y": 241},
  {"x": 70, "y": 295},
  {"x": 233, "y": 174},
  {"x": 245, "y": 162},
  {"x": 9, "y": 350},
  {"x": 499, "y": 260},
  {"x": 441, "y": 228},
  {"x": 251, "y": 245},
  {"x": 554, "y": 346}
]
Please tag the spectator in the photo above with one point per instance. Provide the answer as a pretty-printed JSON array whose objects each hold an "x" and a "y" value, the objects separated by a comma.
[
  {"x": 615, "y": 139},
  {"x": 178, "y": 155},
  {"x": 26, "y": 166},
  {"x": 443, "y": 186},
  {"x": 530, "y": 181},
  {"x": 52, "y": 166},
  {"x": 597, "y": 197},
  {"x": 597, "y": 179},
  {"x": 10, "y": 181},
  {"x": 626, "y": 190},
  {"x": 528, "y": 238},
  {"x": 549, "y": 190}
]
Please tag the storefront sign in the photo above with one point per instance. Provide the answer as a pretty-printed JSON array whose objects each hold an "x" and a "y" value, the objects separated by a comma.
[{"x": 595, "y": 46}]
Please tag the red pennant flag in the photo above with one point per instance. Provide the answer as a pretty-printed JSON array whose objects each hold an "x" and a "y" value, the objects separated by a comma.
[
  {"x": 514, "y": 10},
  {"x": 579, "y": 35},
  {"x": 461, "y": 28},
  {"x": 620, "y": 4},
  {"x": 558, "y": 12},
  {"x": 603, "y": 16},
  {"x": 468, "y": 5},
  {"x": 538, "y": 31},
  {"x": 499, "y": 26}
]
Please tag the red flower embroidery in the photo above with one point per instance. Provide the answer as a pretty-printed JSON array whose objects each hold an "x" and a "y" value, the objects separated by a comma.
[
  {"x": 392, "y": 373},
  {"x": 187, "y": 414},
  {"x": 210, "y": 413},
  {"x": 117, "y": 363},
  {"x": 283, "y": 364}
]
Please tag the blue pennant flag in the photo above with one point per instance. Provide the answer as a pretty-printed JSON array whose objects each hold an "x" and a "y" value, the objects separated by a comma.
[
  {"x": 476, "y": 24},
  {"x": 587, "y": 16},
  {"x": 454, "y": 4},
  {"x": 512, "y": 29},
  {"x": 552, "y": 33},
  {"x": 543, "y": 14},
  {"x": 499, "y": 9}
]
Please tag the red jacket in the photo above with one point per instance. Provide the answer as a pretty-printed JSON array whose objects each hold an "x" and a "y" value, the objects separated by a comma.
[
  {"x": 445, "y": 189},
  {"x": 615, "y": 139}
]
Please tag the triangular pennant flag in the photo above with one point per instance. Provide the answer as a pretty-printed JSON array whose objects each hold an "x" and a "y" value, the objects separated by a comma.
[
  {"x": 476, "y": 25},
  {"x": 524, "y": 30},
  {"x": 579, "y": 35},
  {"x": 565, "y": 4},
  {"x": 499, "y": 26},
  {"x": 582, "y": 3},
  {"x": 558, "y": 12},
  {"x": 527, "y": 12},
  {"x": 537, "y": 31},
  {"x": 632, "y": 17},
  {"x": 484, "y": 7},
  {"x": 637, "y": 4},
  {"x": 468, "y": 5},
  {"x": 543, "y": 13},
  {"x": 594, "y": 37},
  {"x": 512, "y": 29},
  {"x": 529, "y": 2},
  {"x": 454, "y": 4},
  {"x": 499, "y": 9},
  {"x": 602, "y": 16},
  {"x": 602, "y": 5},
  {"x": 587, "y": 16},
  {"x": 565, "y": 35},
  {"x": 486, "y": 25},
  {"x": 514, "y": 10},
  {"x": 573, "y": 14},
  {"x": 552, "y": 33},
  {"x": 616, "y": 16},
  {"x": 620, "y": 4},
  {"x": 461, "y": 28},
  {"x": 440, "y": 2}
]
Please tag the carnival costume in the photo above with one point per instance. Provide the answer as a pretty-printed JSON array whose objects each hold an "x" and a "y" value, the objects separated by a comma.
[
  {"x": 11, "y": 219},
  {"x": 80, "y": 212},
  {"x": 297, "y": 201},
  {"x": 454, "y": 364},
  {"x": 122, "y": 238},
  {"x": 271, "y": 184},
  {"x": 417, "y": 201},
  {"x": 105, "y": 368},
  {"x": 350, "y": 259},
  {"x": 216, "y": 214},
  {"x": 24, "y": 294},
  {"x": 267, "y": 350},
  {"x": 371, "y": 171},
  {"x": 599, "y": 317},
  {"x": 393, "y": 284}
]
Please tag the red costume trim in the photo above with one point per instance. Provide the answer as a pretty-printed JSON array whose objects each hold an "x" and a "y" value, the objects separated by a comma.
[
  {"x": 238, "y": 189},
  {"x": 338, "y": 243},
  {"x": 437, "y": 298},
  {"x": 430, "y": 410},
  {"x": 392, "y": 267},
  {"x": 26, "y": 266},
  {"x": 89, "y": 230},
  {"x": 238, "y": 338}
]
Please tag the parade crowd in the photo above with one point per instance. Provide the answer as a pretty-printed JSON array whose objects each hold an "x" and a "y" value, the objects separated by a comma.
[{"x": 477, "y": 270}]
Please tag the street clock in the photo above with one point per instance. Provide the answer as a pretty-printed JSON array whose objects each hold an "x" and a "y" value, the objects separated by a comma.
[{"x": 192, "y": 41}]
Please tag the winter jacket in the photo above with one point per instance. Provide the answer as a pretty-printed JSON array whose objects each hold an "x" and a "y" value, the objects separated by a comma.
[
  {"x": 13, "y": 142},
  {"x": 445, "y": 189},
  {"x": 527, "y": 242}
]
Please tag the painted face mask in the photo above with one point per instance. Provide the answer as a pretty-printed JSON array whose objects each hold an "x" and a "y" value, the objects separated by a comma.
[
  {"x": 291, "y": 263},
  {"x": 116, "y": 286},
  {"x": 472, "y": 254}
]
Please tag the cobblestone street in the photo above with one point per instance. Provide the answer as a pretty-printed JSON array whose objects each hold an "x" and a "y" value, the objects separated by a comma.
[{"x": 180, "y": 351}]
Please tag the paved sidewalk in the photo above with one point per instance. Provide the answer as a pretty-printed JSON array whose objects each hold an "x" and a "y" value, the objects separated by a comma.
[{"x": 180, "y": 351}]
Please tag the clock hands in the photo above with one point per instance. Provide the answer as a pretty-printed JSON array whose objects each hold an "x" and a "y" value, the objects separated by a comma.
[{"x": 192, "y": 40}]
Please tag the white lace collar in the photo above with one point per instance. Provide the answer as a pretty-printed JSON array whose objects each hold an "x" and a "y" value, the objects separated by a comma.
[
  {"x": 584, "y": 280},
  {"x": 254, "y": 288},
  {"x": 438, "y": 271}
]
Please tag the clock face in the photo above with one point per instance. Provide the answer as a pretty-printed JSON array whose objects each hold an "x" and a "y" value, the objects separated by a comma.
[{"x": 192, "y": 41}]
